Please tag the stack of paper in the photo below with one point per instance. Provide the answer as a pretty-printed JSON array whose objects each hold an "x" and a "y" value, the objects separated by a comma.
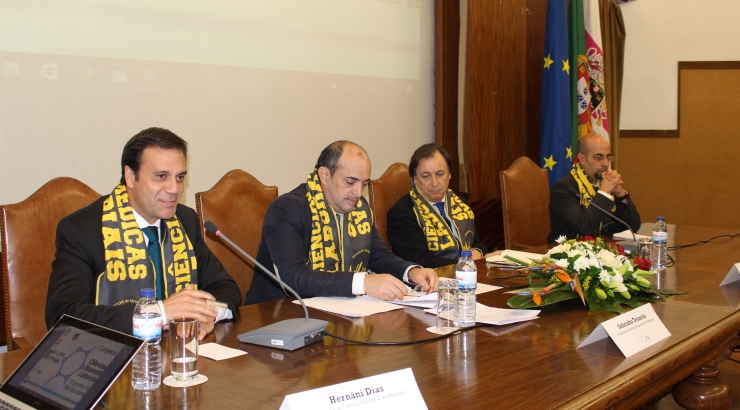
[
  {"x": 628, "y": 235},
  {"x": 526, "y": 257},
  {"x": 495, "y": 316},
  {"x": 366, "y": 305}
]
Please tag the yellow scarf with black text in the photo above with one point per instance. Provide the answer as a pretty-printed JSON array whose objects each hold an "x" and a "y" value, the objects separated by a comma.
[
  {"x": 335, "y": 248},
  {"x": 128, "y": 268}
]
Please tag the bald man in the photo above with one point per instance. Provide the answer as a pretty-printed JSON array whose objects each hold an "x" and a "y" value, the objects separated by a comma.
[
  {"x": 592, "y": 178},
  {"x": 322, "y": 241}
]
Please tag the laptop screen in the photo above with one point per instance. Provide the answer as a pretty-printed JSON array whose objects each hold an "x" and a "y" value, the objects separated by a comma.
[{"x": 72, "y": 366}]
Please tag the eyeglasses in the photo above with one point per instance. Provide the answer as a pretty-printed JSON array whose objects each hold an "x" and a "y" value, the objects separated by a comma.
[{"x": 609, "y": 158}]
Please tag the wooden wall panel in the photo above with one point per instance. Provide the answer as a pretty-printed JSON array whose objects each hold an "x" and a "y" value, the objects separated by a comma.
[
  {"x": 446, "y": 60},
  {"x": 503, "y": 78},
  {"x": 688, "y": 179}
]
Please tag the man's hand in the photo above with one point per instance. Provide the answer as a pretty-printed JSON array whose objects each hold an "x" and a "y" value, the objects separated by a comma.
[
  {"x": 384, "y": 286},
  {"x": 192, "y": 303},
  {"x": 612, "y": 183},
  {"x": 494, "y": 253},
  {"x": 425, "y": 277}
]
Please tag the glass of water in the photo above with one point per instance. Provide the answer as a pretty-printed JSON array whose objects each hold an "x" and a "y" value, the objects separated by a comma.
[
  {"x": 184, "y": 347},
  {"x": 445, "y": 305}
]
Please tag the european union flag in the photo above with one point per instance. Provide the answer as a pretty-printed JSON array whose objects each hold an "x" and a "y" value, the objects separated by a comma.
[{"x": 556, "y": 150}]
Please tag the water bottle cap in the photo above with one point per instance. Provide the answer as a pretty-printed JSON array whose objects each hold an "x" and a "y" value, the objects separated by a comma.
[
  {"x": 466, "y": 253},
  {"x": 147, "y": 293},
  {"x": 660, "y": 218}
]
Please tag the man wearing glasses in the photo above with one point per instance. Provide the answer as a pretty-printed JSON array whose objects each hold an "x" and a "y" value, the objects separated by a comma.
[{"x": 591, "y": 182}]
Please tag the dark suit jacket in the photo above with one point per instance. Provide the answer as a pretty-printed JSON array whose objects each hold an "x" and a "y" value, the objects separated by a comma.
[
  {"x": 568, "y": 217},
  {"x": 408, "y": 240},
  {"x": 80, "y": 259},
  {"x": 286, "y": 240}
]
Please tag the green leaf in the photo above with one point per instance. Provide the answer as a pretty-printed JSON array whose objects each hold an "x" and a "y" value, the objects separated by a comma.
[
  {"x": 515, "y": 260},
  {"x": 554, "y": 296}
]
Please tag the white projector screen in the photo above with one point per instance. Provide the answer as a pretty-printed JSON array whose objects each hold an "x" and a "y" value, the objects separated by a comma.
[{"x": 259, "y": 85}]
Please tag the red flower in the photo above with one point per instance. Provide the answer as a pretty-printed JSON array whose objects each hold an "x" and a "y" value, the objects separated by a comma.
[
  {"x": 620, "y": 250},
  {"x": 588, "y": 239},
  {"x": 643, "y": 264}
]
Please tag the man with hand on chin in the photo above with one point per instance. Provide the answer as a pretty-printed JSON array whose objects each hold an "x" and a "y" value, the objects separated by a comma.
[
  {"x": 591, "y": 178},
  {"x": 321, "y": 239},
  {"x": 139, "y": 237}
]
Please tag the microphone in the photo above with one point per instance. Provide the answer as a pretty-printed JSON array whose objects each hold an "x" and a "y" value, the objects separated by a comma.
[
  {"x": 590, "y": 201},
  {"x": 288, "y": 334}
]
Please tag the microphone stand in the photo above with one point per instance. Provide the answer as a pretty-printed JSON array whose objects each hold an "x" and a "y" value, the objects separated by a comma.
[{"x": 288, "y": 334}]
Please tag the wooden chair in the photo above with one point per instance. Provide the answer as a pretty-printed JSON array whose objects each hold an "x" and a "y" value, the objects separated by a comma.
[
  {"x": 385, "y": 191},
  {"x": 28, "y": 237},
  {"x": 237, "y": 205},
  {"x": 525, "y": 196}
]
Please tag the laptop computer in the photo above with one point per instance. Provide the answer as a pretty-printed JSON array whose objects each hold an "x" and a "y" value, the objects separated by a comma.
[{"x": 71, "y": 368}]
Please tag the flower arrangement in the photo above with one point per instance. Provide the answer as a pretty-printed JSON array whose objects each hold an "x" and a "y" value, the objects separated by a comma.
[{"x": 596, "y": 271}]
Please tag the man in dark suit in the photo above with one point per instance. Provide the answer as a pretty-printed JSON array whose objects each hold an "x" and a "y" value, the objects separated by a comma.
[
  {"x": 321, "y": 240},
  {"x": 431, "y": 225},
  {"x": 571, "y": 216},
  {"x": 138, "y": 237}
]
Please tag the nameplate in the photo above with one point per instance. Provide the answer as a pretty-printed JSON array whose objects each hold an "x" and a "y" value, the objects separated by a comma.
[
  {"x": 732, "y": 276},
  {"x": 632, "y": 331},
  {"x": 394, "y": 390}
]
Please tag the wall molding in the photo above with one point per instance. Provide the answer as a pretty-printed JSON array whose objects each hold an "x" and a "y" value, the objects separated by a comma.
[{"x": 682, "y": 65}]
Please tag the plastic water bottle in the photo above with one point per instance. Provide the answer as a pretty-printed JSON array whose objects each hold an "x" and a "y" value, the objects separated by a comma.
[
  {"x": 467, "y": 280},
  {"x": 147, "y": 364},
  {"x": 660, "y": 243}
]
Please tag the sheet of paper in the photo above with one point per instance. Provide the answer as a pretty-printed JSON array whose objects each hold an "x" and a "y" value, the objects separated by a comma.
[
  {"x": 352, "y": 307},
  {"x": 217, "y": 352},
  {"x": 428, "y": 301},
  {"x": 628, "y": 235},
  {"x": 522, "y": 256},
  {"x": 496, "y": 316}
]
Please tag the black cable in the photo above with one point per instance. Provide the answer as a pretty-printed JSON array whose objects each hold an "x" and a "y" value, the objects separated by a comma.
[
  {"x": 676, "y": 247},
  {"x": 408, "y": 342}
]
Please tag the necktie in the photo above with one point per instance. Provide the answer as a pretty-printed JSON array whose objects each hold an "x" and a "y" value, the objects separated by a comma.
[
  {"x": 441, "y": 207},
  {"x": 155, "y": 255}
]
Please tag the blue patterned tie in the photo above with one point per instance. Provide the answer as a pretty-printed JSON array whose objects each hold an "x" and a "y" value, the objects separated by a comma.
[
  {"x": 441, "y": 207},
  {"x": 155, "y": 255}
]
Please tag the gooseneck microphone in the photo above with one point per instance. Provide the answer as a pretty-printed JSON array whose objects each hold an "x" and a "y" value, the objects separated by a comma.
[
  {"x": 288, "y": 334},
  {"x": 590, "y": 201}
]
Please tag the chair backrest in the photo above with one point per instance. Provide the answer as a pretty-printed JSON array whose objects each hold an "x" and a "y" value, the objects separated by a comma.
[
  {"x": 525, "y": 197},
  {"x": 28, "y": 236},
  {"x": 237, "y": 205},
  {"x": 385, "y": 191}
]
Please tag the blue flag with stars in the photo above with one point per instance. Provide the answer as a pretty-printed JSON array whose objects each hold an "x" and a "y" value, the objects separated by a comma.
[{"x": 556, "y": 152}]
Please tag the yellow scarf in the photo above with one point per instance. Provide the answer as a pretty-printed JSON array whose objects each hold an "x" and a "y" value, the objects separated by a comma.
[
  {"x": 585, "y": 187},
  {"x": 128, "y": 268},
  {"x": 440, "y": 238},
  {"x": 335, "y": 248}
]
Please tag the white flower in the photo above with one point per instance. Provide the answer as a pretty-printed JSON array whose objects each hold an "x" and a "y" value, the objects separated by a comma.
[
  {"x": 558, "y": 249},
  {"x": 561, "y": 239},
  {"x": 608, "y": 259},
  {"x": 583, "y": 263},
  {"x": 617, "y": 277},
  {"x": 576, "y": 252},
  {"x": 604, "y": 276}
]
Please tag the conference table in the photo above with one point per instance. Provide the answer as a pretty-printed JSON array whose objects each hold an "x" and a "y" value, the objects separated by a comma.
[{"x": 528, "y": 365}]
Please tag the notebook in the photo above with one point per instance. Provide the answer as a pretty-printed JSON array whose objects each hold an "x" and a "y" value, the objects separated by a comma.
[{"x": 71, "y": 368}]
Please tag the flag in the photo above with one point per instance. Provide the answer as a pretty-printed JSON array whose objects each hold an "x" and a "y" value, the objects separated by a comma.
[
  {"x": 595, "y": 55},
  {"x": 555, "y": 132},
  {"x": 579, "y": 78}
]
